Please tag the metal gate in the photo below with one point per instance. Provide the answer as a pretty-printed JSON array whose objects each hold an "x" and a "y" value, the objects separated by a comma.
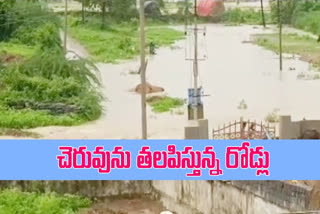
[{"x": 244, "y": 130}]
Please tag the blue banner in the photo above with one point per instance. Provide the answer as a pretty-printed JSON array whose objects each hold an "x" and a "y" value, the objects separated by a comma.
[{"x": 159, "y": 160}]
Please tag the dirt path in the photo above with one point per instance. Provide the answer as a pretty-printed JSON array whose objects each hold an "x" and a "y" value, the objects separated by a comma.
[
  {"x": 234, "y": 71},
  {"x": 126, "y": 206}
]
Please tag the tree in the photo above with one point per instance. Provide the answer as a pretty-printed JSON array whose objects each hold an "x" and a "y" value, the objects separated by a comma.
[
  {"x": 122, "y": 10},
  {"x": 84, "y": 5},
  {"x": 6, "y": 19}
]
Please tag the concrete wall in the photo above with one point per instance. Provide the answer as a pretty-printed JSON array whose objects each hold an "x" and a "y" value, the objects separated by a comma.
[
  {"x": 190, "y": 197},
  {"x": 237, "y": 197},
  {"x": 197, "y": 130},
  {"x": 294, "y": 129}
]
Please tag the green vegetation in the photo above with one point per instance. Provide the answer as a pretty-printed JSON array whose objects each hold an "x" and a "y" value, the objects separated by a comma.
[
  {"x": 308, "y": 21},
  {"x": 164, "y": 104},
  {"x": 18, "y": 133},
  {"x": 303, "y": 14},
  {"x": 244, "y": 16},
  {"x": 38, "y": 85},
  {"x": 10, "y": 48},
  {"x": 15, "y": 201},
  {"x": 48, "y": 90},
  {"x": 118, "y": 41},
  {"x": 305, "y": 46}
]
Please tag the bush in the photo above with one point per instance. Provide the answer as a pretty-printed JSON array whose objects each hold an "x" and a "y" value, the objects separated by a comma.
[
  {"x": 308, "y": 21},
  {"x": 6, "y": 18},
  {"x": 240, "y": 16},
  {"x": 24, "y": 17},
  {"x": 123, "y": 10},
  {"x": 51, "y": 84},
  {"x": 46, "y": 36},
  {"x": 15, "y": 201},
  {"x": 164, "y": 104},
  {"x": 273, "y": 117},
  {"x": 292, "y": 9},
  {"x": 44, "y": 88},
  {"x": 288, "y": 10}
]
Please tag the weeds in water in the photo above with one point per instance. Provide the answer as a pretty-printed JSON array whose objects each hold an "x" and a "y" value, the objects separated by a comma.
[
  {"x": 164, "y": 104},
  {"x": 304, "y": 46},
  {"x": 244, "y": 16}
]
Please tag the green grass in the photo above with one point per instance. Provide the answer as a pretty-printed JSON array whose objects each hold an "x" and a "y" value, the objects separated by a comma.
[
  {"x": 305, "y": 46},
  {"x": 164, "y": 104},
  {"x": 244, "y": 16},
  {"x": 17, "y": 202},
  {"x": 118, "y": 41},
  {"x": 22, "y": 119},
  {"x": 308, "y": 21},
  {"x": 8, "y": 48}
]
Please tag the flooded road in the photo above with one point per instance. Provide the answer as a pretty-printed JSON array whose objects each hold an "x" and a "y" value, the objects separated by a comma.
[{"x": 235, "y": 70}]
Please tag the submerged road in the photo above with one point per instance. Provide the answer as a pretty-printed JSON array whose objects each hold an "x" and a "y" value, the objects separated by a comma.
[{"x": 235, "y": 70}]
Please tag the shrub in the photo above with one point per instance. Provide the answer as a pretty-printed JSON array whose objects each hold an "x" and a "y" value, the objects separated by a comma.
[
  {"x": 18, "y": 202},
  {"x": 46, "y": 36},
  {"x": 49, "y": 82},
  {"x": 308, "y": 21},
  {"x": 26, "y": 15},
  {"x": 273, "y": 117},
  {"x": 288, "y": 10},
  {"x": 164, "y": 104}
]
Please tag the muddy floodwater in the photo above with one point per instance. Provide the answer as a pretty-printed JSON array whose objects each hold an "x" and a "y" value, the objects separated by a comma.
[{"x": 235, "y": 70}]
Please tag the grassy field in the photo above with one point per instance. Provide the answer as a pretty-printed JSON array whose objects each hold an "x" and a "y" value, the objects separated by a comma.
[
  {"x": 17, "y": 202},
  {"x": 308, "y": 48},
  {"x": 118, "y": 41}
]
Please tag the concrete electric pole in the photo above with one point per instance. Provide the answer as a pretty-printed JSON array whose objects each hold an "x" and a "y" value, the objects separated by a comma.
[
  {"x": 262, "y": 14},
  {"x": 280, "y": 32},
  {"x": 195, "y": 64}
]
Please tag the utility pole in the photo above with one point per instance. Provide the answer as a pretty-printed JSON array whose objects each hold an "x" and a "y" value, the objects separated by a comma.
[
  {"x": 65, "y": 25},
  {"x": 143, "y": 71},
  {"x": 195, "y": 63},
  {"x": 280, "y": 33},
  {"x": 262, "y": 14}
]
